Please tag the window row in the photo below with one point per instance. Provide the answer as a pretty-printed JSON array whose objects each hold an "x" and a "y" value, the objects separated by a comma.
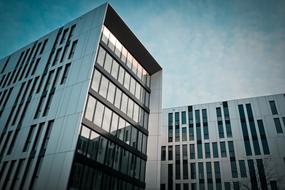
[
  {"x": 85, "y": 177},
  {"x": 197, "y": 171},
  {"x": 253, "y": 129},
  {"x": 119, "y": 99},
  {"x": 111, "y": 122},
  {"x": 103, "y": 151},
  {"x": 194, "y": 186},
  {"x": 199, "y": 151},
  {"x": 109, "y": 39},
  {"x": 123, "y": 77}
]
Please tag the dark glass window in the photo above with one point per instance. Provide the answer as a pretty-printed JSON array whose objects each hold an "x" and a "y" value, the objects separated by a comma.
[
  {"x": 185, "y": 169},
  {"x": 201, "y": 176},
  {"x": 273, "y": 185},
  {"x": 273, "y": 107},
  {"x": 65, "y": 73},
  {"x": 227, "y": 186},
  {"x": 191, "y": 133},
  {"x": 29, "y": 138},
  {"x": 221, "y": 129},
  {"x": 184, "y": 134},
  {"x": 263, "y": 137},
  {"x": 253, "y": 129},
  {"x": 193, "y": 170},
  {"x": 170, "y": 176},
  {"x": 252, "y": 174},
  {"x": 217, "y": 175},
  {"x": 185, "y": 186},
  {"x": 184, "y": 152},
  {"x": 178, "y": 186},
  {"x": 278, "y": 125},
  {"x": 162, "y": 187},
  {"x": 215, "y": 150},
  {"x": 170, "y": 152},
  {"x": 228, "y": 129},
  {"x": 177, "y": 152},
  {"x": 170, "y": 133},
  {"x": 177, "y": 133},
  {"x": 207, "y": 150},
  {"x": 176, "y": 118},
  {"x": 183, "y": 115},
  {"x": 223, "y": 149},
  {"x": 236, "y": 185},
  {"x": 242, "y": 168},
  {"x": 244, "y": 130},
  {"x": 199, "y": 151},
  {"x": 192, "y": 151},
  {"x": 205, "y": 123},
  {"x": 72, "y": 51},
  {"x": 209, "y": 175},
  {"x": 163, "y": 153},
  {"x": 261, "y": 172}
]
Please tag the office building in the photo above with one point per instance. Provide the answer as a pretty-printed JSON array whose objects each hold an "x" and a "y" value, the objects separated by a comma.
[
  {"x": 236, "y": 144},
  {"x": 78, "y": 106}
]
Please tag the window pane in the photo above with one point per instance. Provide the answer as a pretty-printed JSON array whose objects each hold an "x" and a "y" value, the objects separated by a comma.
[
  {"x": 98, "y": 114},
  {"x": 107, "y": 119},
  {"x": 108, "y": 63},
  {"x": 127, "y": 81},
  {"x": 90, "y": 108},
  {"x": 118, "y": 97},
  {"x": 273, "y": 107},
  {"x": 103, "y": 87},
  {"x": 115, "y": 68},
  {"x": 96, "y": 80},
  {"x": 101, "y": 56},
  {"x": 278, "y": 125},
  {"x": 215, "y": 150},
  {"x": 111, "y": 92}
]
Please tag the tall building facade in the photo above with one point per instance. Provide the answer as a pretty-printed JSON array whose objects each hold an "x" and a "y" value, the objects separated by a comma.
[
  {"x": 78, "y": 106},
  {"x": 237, "y": 144}
]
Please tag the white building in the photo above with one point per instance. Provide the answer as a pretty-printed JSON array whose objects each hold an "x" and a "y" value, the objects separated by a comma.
[{"x": 236, "y": 144}]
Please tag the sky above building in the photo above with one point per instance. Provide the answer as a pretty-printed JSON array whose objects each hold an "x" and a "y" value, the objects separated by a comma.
[{"x": 209, "y": 50}]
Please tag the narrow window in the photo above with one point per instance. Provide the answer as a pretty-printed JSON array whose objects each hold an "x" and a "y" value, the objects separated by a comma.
[
  {"x": 36, "y": 140},
  {"x": 183, "y": 115},
  {"x": 163, "y": 153},
  {"x": 223, "y": 149},
  {"x": 244, "y": 130},
  {"x": 242, "y": 168},
  {"x": 193, "y": 170},
  {"x": 72, "y": 51},
  {"x": 252, "y": 174},
  {"x": 207, "y": 150},
  {"x": 184, "y": 134},
  {"x": 263, "y": 137},
  {"x": 215, "y": 150},
  {"x": 278, "y": 125},
  {"x": 273, "y": 107},
  {"x": 47, "y": 136},
  {"x": 65, "y": 73},
  {"x": 170, "y": 152},
  {"x": 56, "y": 58},
  {"x": 29, "y": 138},
  {"x": 192, "y": 151}
]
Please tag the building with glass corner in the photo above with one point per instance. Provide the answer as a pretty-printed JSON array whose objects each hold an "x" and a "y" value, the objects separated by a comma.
[
  {"x": 236, "y": 144},
  {"x": 77, "y": 108}
]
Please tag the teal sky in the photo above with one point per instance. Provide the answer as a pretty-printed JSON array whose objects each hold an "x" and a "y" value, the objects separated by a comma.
[{"x": 210, "y": 50}]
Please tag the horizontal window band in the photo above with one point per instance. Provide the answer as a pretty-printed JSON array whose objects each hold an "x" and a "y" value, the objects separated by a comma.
[
  {"x": 93, "y": 164},
  {"x": 114, "y": 56},
  {"x": 121, "y": 87},
  {"x": 110, "y": 137},
  {"x": 117, "y": 111}
]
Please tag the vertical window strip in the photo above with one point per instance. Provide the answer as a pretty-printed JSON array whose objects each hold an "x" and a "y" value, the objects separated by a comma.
[
  {"x": 278, "y": 126},
  {"x": 220, "y": 122},
  {"x": 43, "y": 47},
  {"x": 262, "y": 177},
  {"x": 14, "y": 105},
  {"x": 21, "y": 102},
  {"x": 5, "y": 65},
  {"x": 244, "y": 130},
  {"x": 5, "y": 101},
  {"x": 65, "y": 73},
  {"x": 263, "y": 137},
  {"x": 10, "y": 149},
  {"x": 253, "y": 129},
  {"x": 273, "y": 107},
  {"x": 252, "y": 174},
  {"x": 17, "y": 174},
  {"x": 8, "y": 175},
  {"x": 205, "y": 123}
]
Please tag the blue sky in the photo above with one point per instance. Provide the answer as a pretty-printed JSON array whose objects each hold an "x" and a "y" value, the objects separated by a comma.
[{"x": 210, "y": 50}]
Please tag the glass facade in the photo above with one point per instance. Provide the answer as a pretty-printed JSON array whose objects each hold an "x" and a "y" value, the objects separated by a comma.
[{"x": 113, "y": 139}]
